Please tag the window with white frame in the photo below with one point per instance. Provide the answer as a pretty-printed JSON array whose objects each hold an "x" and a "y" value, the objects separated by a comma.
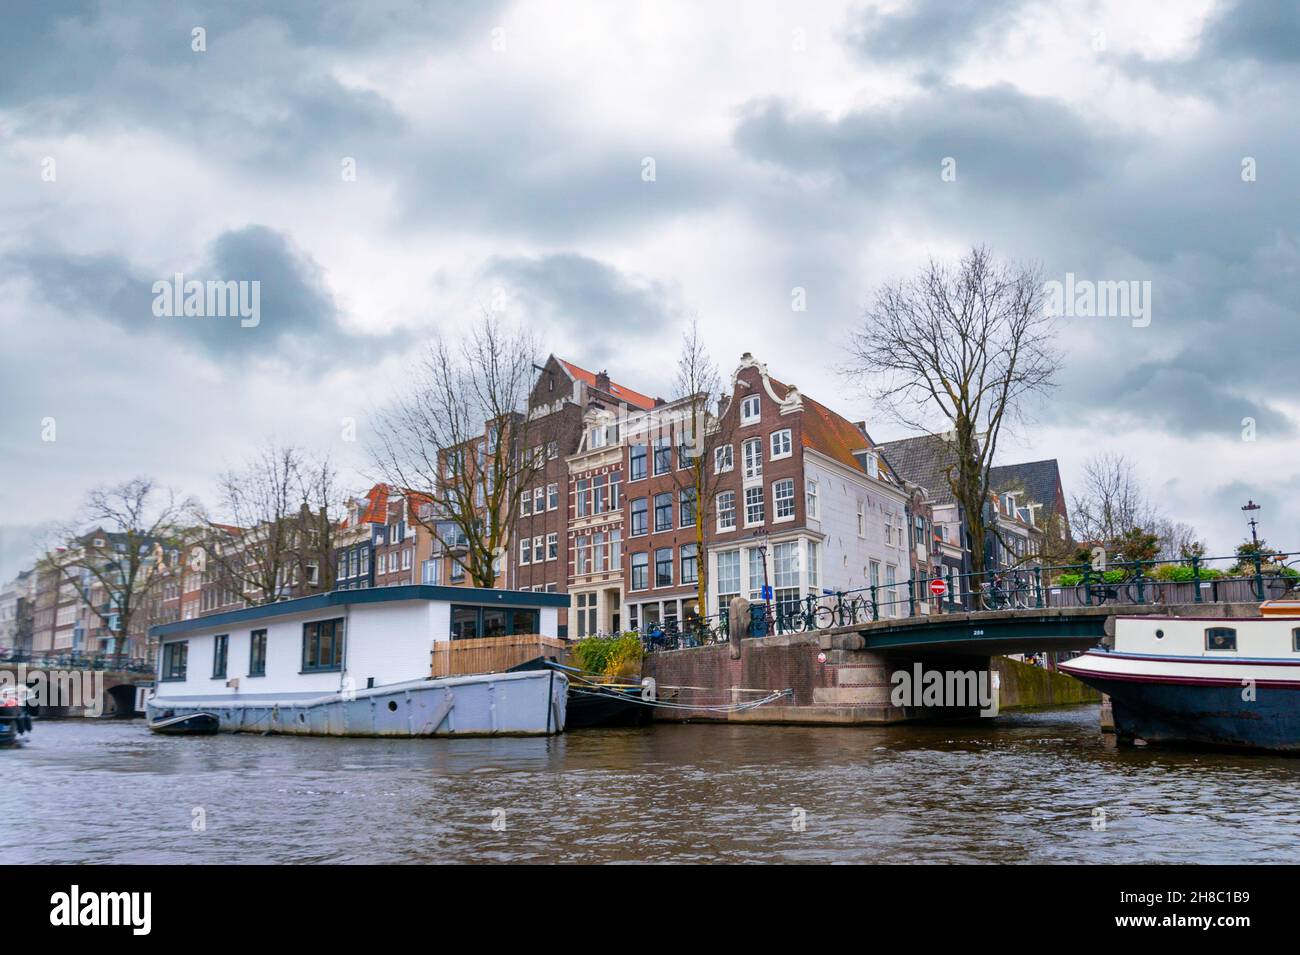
[
  {"x": 862, "y": 519},
  {"x": 640, "y": 571},
  {"x": 752, "y": 456},
  {"x": 754, "y": 511},
  {"x": 811, "y": 493},
  {"x": 723, "y": 459},
  {"x": 757, "y": 570},
  {"x": 783, "y": 500},
  {"x": 552, "y": 496},
  {"x": 552, "y": 546},
  {"x": 539, "y": 555},
  {"x": 525, "y": 551},
  {"x": 526, "y": 503},
  {"x": 728, "y": 577},
  {"x": 750, "y": 409},
  {"x": 727, "y": 511},
  {"x": 539, "y": 500},
  {"x": 781, "y": 444},
  {"x": 813, "y": 555}
]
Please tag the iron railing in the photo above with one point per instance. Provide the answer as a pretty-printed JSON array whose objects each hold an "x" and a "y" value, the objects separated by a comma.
[{"x": 1192, "y": 581}]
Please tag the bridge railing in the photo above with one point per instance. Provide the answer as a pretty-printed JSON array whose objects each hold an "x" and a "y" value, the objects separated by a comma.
[{"x": 1163, "y": 582}]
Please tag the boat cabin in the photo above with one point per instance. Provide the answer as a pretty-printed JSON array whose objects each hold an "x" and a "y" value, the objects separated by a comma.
[{"x": 338, "y": 641}]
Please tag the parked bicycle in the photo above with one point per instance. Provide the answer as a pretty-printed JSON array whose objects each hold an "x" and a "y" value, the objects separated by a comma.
[
  {"x": 1135, "y": 588},
  {"x": 1007, "y": 591}
]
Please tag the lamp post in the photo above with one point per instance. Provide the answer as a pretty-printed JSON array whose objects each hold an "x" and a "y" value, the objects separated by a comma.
[
  {"x": 1250, "y": 505},
  {"x": 761, "y": 536}
]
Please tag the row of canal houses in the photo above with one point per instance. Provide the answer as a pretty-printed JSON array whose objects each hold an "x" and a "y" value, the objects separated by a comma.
[{"x": 801, "y": 501}]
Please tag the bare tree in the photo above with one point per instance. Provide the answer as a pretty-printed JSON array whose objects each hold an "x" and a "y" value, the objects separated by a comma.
[
  {"x": 464, "y": 437},
  {"x": 1111, "y": 502},
  {"x": 276, "y": 525},
  {"x": 698, "y": 385},
  {"x": 114, "y": 555},
  {"x": 965, "y": 347},
  {"x": 1113, "y": 507}
]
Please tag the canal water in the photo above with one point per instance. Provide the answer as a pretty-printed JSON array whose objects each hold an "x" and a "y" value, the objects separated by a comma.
[{"x": 1024, "y": 787}]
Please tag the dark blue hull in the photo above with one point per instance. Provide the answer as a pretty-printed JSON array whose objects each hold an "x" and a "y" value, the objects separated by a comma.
[{"x": 1204, "y": 714}]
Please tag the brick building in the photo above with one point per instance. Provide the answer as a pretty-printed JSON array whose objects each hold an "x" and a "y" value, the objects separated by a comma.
[
  {"x": 661, "y": 573},
  {"x": 807, "y": 504}
]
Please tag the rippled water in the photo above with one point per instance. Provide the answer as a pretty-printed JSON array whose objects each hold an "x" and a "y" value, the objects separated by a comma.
[{"x": 1021, "y": 788}]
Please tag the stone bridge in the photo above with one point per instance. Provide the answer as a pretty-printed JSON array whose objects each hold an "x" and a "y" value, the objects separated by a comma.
[{"x": 844, "y": 675}]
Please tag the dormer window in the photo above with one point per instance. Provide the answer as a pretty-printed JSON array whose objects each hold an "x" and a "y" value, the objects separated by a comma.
[
  {"x": 750, "y": 410},
  {"x": 873, "y": 464}
]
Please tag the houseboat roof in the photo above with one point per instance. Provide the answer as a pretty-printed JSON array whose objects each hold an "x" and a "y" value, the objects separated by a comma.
[{"x": 476, "y": 596}]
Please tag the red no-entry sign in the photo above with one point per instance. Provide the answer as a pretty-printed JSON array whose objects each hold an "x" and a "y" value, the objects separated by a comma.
[{"x": 938, "y": 587}]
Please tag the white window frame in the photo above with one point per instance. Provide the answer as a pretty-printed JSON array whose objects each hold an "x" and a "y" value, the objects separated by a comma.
[
  {"x": 762, "y": 506},
  {"x": 719, "y": 511},
  {"x": 526, "y": 504},
  {"x": 810, "y": 488},
  {"x": 525, "y": 552},
  {"x": 552, "y": 546},
  {"x": 780, "y": 444},
  {"x": 752, "y": 470},
  {"x": 777, "y": 500},
  {"x": 724, "y": 459},
  {"x": 746, "y": 415}
]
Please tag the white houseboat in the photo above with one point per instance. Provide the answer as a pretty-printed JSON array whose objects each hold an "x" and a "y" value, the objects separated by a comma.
[
  {"x": 357, "y": 663},
  {"x": 1218, "y": 681}
]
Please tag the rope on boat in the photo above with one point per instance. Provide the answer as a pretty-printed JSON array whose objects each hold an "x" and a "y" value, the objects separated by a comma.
[
  {"x": 605, "y": 690},
  {"x": 698, "y": 707}
]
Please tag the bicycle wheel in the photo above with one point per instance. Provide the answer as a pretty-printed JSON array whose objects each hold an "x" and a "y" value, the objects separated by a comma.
[
  {"x": 988, "y": 598},
  {"x": 1148, "y": 591},
  {"x": 1094, "y": 594}
]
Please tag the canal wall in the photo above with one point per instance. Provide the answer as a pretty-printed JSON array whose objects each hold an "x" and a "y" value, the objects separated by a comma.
[
  {"x": 1025, "y": 687},
  {"x": 830, "y": 682}
]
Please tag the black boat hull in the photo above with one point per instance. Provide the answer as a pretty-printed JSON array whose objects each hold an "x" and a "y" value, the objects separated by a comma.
[
  {"x": 190, "y": 724},
  {"x": 588, "y": 709},
  {"x": 14, "y": 728}
]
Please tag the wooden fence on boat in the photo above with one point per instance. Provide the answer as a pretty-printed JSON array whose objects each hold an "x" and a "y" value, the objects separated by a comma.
[{"x": 491, "y": 654}]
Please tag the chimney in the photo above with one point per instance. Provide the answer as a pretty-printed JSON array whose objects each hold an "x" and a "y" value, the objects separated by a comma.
[
  {"x": 602, "y": 381},
  {"x": 861, "y": 426}
]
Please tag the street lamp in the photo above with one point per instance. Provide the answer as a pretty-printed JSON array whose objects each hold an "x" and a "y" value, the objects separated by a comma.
[{"x": 1250, "y": 505}]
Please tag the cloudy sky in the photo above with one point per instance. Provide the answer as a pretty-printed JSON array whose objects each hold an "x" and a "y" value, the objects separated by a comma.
[{"x": 500, "y": 152}]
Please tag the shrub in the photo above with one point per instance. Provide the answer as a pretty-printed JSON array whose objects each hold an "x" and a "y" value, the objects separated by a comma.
[{"x": 612, "y": 657}]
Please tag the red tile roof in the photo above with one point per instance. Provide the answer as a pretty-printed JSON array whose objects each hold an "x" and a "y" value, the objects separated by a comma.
[
  {"x": 376, "y": 511},
  {"x": 633, "y": 398},
  {"x": 823, "y": 430},
  {"x": 832, "y": 435}
]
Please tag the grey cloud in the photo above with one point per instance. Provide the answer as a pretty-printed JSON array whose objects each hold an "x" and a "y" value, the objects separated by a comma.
[
  {"x": 264, "y": 93},
  {"x": 1002, "y": 140},
  {"x": 594, "y": 305},
  {"x": 298, "y": 317},
  {"x": 936, "y": 32}
]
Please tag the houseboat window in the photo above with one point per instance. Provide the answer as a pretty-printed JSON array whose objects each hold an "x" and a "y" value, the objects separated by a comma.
[
  {"x": 494, "y": 622},
  {"x": 174, "y": 657},
  {"x": 467, "y": 621},
  {"x": 322, "y": 645},
  {"x": 220, "y": 650},
  {"x": 464, "y": 622},
  {"x": 257, "y": 654},
  {"x": 1295, "y": 639},
  {"x": 1220, "y": 638}
]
